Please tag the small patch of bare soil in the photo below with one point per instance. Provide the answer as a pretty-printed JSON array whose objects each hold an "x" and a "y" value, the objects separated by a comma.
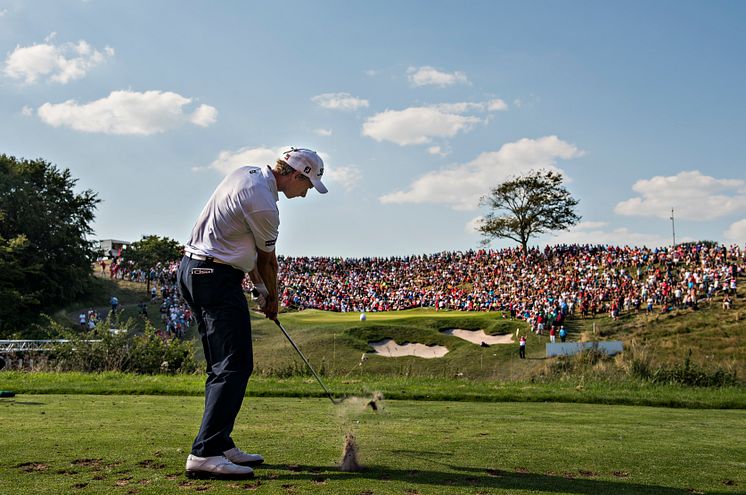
[
  {"x": 33, "y": 467},
  {"x": 151, "y": 464}
]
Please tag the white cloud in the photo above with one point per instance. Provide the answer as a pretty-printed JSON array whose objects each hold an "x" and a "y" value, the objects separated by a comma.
[
  {"x": 323, "y": 132},
  {"x": 693, "y": 196},
  {"x": 437, "y": 150},
  {"x": 340, "y": 101},
  {"x": 27, "y": 111},
  {"x": 127, "y": 112},
  {"x": 430, "y": 76},
  {"x": 416, "y": 125},
  {"x": 497, "y": 105},
  {"x": 348, "y": 177},
  {"x": 57, "y": 63},
  {"x": 461, "y": 186},
  {"x": 3, "y": 12},
  {"x": 737, "y": 232},
  {"x": 204, "y": 116},
  {"x": 472, "y": 226},
  {"x": 228, "y": 161}
]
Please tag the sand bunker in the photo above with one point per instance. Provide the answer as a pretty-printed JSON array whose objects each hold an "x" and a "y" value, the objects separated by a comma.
[
  {"x": 389, "y": 348},
  {"x": 478, "y": 336}
]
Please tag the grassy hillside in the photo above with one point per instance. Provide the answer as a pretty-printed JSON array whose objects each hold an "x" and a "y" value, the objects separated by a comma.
[{"x": 337, "y": 343}]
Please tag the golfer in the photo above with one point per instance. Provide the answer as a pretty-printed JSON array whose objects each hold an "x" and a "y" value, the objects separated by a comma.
[{"x": 236, "y": 234}]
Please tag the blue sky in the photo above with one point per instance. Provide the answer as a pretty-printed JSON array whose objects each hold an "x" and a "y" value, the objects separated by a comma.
[{"x": 418, "y": 108}]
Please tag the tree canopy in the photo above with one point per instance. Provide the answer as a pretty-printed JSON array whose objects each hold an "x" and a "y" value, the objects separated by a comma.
[
  {"x": 46, "y": 255},
  {"x": 150, "y": 250},
  {"x": 528, "y": 205}
]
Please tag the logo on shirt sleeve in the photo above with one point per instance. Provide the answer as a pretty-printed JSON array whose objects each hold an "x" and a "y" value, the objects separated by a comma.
[{"x": 270, "y": 243}]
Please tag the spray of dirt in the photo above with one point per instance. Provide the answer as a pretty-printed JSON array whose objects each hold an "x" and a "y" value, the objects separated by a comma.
[
  {"x": 350, "y": 461},
  {"x": 349, "y": 412}
]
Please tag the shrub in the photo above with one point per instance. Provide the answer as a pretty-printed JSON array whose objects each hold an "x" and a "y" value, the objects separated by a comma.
[
  {"x": 637, "y": 364},
  {"x": 101, "y": 350}
]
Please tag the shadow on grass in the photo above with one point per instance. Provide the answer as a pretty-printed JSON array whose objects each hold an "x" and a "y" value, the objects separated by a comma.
[{"x": 580, "y": 482}]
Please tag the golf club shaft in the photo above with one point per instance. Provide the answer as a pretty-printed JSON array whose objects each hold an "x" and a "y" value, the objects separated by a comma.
[{"x": 318, "y": 378}]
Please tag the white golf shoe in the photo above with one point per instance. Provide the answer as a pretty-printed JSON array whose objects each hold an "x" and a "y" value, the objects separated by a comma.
[
  {"x": 216, "y": 467},
  {"x": 238, "y": 456}
]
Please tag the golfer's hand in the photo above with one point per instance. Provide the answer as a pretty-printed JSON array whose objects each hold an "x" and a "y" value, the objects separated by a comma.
[
  {"x": 260, "y": 294},
  {"x": 270, "y": 308}
]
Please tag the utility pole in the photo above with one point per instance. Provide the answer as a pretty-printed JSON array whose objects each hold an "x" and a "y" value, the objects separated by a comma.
[{"x": 673, "y": 228}]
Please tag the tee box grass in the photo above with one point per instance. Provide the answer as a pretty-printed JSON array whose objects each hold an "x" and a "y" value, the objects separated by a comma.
[{"x": 62, "y": 444}]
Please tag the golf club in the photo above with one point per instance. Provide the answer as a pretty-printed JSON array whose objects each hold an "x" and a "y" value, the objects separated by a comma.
[{"x": 318, "y": 378}]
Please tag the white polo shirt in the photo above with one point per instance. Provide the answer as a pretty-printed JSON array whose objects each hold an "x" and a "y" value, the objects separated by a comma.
[{"x": 240, "y": 217}]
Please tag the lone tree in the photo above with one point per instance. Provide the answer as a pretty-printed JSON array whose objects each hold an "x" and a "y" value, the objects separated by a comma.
[
  {"x": 151, "y": 250},
  {"x": 46, "y": 256},
  {"x": 528, "y": 205}
]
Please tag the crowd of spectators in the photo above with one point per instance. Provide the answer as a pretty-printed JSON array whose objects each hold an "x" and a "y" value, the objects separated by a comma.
[
  {"x": 175, "y": 315},
  {"x": 542, "y": 287}
]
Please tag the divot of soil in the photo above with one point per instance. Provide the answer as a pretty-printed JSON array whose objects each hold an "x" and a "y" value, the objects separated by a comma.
[
  {"x": 319, "y": 481},
  {"x": 80, "y": 486},
  {"x": 494, "y": 473},
  {"x": 521, "y": 469},
  {"x": 729, "y": 483},
  {"x": 620, "y": 474},
  {"x": 151, "y": 464},
  {"x": 245, "y": 486},
  {"x": 31, "y": 467},
  {"x": 91, "y": 463},
  {"x": 99, "y": 477},
  {"x": 587, "y": 474},
  {"x": 294, "y": 468}
]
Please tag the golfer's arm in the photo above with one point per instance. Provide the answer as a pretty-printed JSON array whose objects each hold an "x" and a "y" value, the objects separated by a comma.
[{"x": 266, "y": 269}]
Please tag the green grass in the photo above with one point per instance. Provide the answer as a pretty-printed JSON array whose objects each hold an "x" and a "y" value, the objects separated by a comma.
[
  {"x": 711, "y": 333},
  {"x": 336, "y": 342},
  {"x": 412, "y": 388},
  {"x": 63, "y": 444}
]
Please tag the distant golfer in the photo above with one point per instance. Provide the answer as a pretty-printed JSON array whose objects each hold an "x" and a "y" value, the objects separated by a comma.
[{"x": 236, "y": 234}]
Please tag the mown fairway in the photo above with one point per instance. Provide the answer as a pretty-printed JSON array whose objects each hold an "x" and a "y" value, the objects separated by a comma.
[{"x": 56, "y": 444}]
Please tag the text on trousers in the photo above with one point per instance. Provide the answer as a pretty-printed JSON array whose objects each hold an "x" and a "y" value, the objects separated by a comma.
[{"x": 202, "y": 271}]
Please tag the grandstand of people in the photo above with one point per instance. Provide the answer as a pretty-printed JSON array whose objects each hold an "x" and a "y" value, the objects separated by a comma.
[{"x": 542, "y": 287}]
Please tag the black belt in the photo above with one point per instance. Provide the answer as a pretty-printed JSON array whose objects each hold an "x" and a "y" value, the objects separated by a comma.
[{"x": 199, "y": 257}]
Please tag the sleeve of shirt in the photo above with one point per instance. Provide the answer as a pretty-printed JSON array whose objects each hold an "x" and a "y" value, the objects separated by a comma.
[{"x": 264, "y": 224}]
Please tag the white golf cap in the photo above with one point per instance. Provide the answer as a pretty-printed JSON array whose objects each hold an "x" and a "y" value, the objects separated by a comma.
[{"x": 307, "y": 162}]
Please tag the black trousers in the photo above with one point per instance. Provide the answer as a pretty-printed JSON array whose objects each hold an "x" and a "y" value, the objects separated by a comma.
[{"x": 213, "y": 292}]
